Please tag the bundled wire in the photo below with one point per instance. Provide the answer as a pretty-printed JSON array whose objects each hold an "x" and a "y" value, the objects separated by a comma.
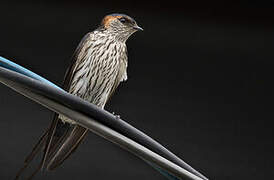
[{"x": 96, "y": 120}]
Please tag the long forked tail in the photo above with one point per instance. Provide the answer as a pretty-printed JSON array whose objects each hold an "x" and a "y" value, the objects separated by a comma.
[
  {"x": 43, "y": 143},
  {"x": 50, "y": 140},
  {"x": 39, "y": 145},
  {"x": 58, "y": 143}
]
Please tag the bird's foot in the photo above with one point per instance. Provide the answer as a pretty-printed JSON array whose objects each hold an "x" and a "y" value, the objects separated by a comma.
[{"x": 116, "y": 115}]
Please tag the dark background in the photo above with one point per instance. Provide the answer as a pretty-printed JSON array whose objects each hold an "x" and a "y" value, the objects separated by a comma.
[{"x": 200, "y": 82}]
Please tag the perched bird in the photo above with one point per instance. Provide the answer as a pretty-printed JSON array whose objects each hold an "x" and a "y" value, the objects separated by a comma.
[{"x": 99, "y": 64}]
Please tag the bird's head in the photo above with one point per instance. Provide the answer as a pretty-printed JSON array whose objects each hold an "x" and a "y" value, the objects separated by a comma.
[{"x": 121, "y": 26}]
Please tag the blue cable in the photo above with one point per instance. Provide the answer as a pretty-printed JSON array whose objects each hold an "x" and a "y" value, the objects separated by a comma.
[{"x": 17, "y": 68}]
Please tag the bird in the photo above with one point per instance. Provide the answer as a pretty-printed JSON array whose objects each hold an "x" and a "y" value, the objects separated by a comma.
[{"x": 98, "y": 65}]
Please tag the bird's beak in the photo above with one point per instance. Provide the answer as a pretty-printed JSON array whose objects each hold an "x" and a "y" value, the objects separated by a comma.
[{"x": 138, "y": 28}]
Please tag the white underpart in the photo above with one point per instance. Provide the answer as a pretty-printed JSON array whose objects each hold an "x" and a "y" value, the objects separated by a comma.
[{"x": 85, "y": 88}]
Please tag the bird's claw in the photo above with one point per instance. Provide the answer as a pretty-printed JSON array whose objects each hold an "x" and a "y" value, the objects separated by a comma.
[{"x": 116, "y": 115}]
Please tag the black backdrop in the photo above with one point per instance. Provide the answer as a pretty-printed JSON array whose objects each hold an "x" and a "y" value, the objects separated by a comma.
[{"x": 200, "y": 82}]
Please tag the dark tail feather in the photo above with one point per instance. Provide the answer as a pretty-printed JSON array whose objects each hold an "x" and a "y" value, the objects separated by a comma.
[
  {"x": 46, "y": 142},
  {"x": 49, "y": 140},
  {"x": 69, "y": 145},
  {"x": 39, "y": 145},
  {"x": 59, "y": 141},
  {"x": 57, "y": 132}
]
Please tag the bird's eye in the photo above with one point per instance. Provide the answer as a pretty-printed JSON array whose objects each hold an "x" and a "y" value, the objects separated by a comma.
[{"x": 122, "y": 20}]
